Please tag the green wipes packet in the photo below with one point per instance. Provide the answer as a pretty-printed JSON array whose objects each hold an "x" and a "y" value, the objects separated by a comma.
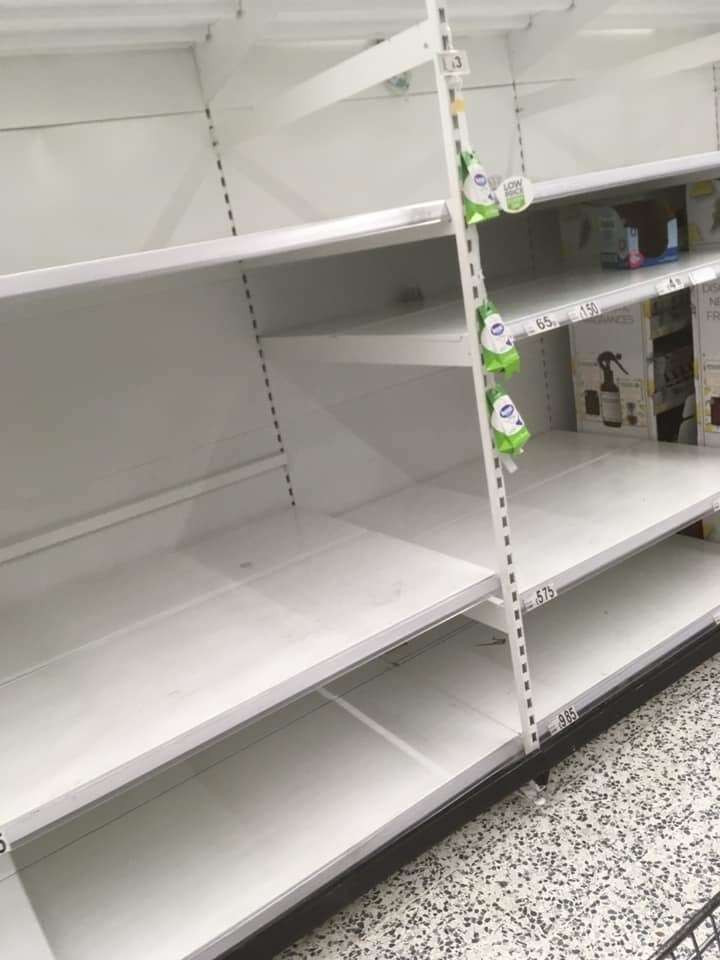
[
  {"x": 508, "y": 427},
  {"x": 479, "y": 200},
  {"x": 498, "y": 344}
]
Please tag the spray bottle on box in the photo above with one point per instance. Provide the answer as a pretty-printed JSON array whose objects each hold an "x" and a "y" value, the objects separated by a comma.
[{"x": 610, "y": 407}]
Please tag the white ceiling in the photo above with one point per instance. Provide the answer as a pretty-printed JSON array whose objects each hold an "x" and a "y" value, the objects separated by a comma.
[{"x": 47, "y": 26}]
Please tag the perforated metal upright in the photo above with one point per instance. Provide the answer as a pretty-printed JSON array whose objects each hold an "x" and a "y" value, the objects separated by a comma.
[{"x": 456, "y": 139}]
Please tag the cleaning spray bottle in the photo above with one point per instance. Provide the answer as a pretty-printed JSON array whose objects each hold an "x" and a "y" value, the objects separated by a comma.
[
  {"x": 508, "y": 427},
  {"x": 610, "y": 407},
  {"x": 499, "y": 352}
]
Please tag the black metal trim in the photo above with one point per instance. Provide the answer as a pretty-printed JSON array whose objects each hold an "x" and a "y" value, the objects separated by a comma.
[{"x": 593, "y": 721}]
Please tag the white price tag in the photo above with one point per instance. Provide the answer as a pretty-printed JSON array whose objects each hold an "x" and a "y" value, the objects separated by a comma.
[
  {"x": 541, "y": 325},
  {"x": 716, "y": 617},
  {"x": 541, "y": 596},
  {"x": 584, "y": 311},
  {"x": 716, "y": 505},
  {"x": 455, "y": 63},
  {"x": 4, "y": 844},
  {"x": 562, "y": 720},
  {"x": 703, "y": 275},
  {"x": 670, "y": 285}
]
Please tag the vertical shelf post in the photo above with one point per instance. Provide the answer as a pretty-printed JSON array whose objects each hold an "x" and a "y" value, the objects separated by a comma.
[{"x": 456, "y": 139}]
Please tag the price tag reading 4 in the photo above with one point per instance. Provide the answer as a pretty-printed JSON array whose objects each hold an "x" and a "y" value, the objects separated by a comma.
[
  {"x": 455, "y": 63},
  {"x": 670, "y": 285},
  {"x": 542, "y": 595},
  {"x": 564, "y": 719},
  {"x": 585, "y": 311},
  {"x": 541, "y": 325}
]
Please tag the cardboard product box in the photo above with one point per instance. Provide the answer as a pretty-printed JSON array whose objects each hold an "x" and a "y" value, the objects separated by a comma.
[
  {"x": 639, "y": 234},
  {"x": 610, "y": 373},
  {"x": 707, "y": 307},
  {"x": 703, "y": 214}
]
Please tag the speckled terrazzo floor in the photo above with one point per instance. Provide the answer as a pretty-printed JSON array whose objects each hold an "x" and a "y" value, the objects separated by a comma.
[{"x": 625, "y": 850}]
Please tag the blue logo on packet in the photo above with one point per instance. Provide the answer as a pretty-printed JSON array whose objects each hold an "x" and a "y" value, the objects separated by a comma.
[
  {"x": 507, "y": 410},
  {"x": 480, "y": 180},
  {"x": 497, "y": 329}
]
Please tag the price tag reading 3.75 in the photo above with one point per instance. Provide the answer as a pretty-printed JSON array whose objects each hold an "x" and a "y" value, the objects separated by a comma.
[
  {"x": 541, "y": 596},
  {"x": 584, "y": 311}
]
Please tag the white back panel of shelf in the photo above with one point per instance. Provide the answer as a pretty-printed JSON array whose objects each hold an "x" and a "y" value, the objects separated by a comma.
[
  {"x": 89, "y": 190},
  {"x": 109, "y": 396},
  {"x": 64, "y": 89},
  {"x": 614, "y": 131}
]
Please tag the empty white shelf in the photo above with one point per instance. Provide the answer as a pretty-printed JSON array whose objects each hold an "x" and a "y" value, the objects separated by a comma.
[
  {"x": 578, "y": 502},
  {"x": 203, "y": 864},
  {"x": 418, "y": 334},
  {"x": 436, "y": 334},
  {"x": 655, "y": 173},
  {"x": 417, "y": 221},
  {"x": 104, "y": 680},
  {"x": 609, "y": 628},
  {"x": 200, "y": 857}
]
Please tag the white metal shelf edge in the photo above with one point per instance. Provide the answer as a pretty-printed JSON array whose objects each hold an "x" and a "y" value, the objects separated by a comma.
[{"x": 265, "y": 247}]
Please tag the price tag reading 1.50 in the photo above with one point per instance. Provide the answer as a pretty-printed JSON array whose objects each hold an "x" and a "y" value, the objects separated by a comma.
[
  {"x": 541, "y": 596},
  {"x": 541, "y": 325},
  {"x": 585, "y": 311}
]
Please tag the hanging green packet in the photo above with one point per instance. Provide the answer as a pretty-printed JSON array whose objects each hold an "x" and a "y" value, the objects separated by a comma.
[
  {"x": 499, "y": 352},
  {"x": 479, "y": 200},
  {"x": 508, "y": 427}
]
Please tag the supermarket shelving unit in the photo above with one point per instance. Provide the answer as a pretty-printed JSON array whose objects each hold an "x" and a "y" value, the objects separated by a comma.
[{"x": 237, "y": 722}]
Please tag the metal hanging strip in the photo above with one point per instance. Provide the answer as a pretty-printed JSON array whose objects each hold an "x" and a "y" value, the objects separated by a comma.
[{"x": 448, "y": 71}]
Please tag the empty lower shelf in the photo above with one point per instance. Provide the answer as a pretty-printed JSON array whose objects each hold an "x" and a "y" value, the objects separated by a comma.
[
  {"x": 105, "y": 680},
  {"x": 579, "y": 503},
  {"x": 188, "y": 870},
  {"x": 436, "y": 334},
  {"x": 202, "y": 855}
]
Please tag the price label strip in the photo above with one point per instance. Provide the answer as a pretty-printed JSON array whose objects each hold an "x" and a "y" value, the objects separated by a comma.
[
  {"x": 716, "y": 505},
  {"x": 563, "y": 720},
  {"x": 541, "y": 596},
  {"x": 541, "y": 325},
  {"x": 670, "y": 285},
  {"x": 584, "y": 311},
  {"x": 4, "y": 844},
  {"x": 455, "y": 63},
  {"x": 716, "y": 617},
  {"x": 703, "y": 275}
]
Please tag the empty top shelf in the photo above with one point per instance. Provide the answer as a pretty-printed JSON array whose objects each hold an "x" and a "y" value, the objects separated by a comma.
[
  {"x": 380, "y": 228},
  {"x": 104, "y": 680},
  {"x": 579, "y": 503}
]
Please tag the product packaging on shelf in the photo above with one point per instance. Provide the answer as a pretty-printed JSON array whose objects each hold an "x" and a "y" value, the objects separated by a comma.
[
  {"x": 703, "y": 214},
  {"x": 479, "y": 200},
  {"x": 509, "y": 430},
  {"x": 625, "y": 374},
  {"x": 499, "y": 352}
]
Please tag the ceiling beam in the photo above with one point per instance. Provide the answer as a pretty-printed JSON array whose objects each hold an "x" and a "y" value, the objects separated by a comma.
[
  {"x": 548, "y": 31},
  {"x": 109, "y": 16},
  {"x": 620, "y": 80},
  {"x": 91, "y": 41}
]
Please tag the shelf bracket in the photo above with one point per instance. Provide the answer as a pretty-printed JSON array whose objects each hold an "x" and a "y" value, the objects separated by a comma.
[{"x": 456, "y": 139}]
